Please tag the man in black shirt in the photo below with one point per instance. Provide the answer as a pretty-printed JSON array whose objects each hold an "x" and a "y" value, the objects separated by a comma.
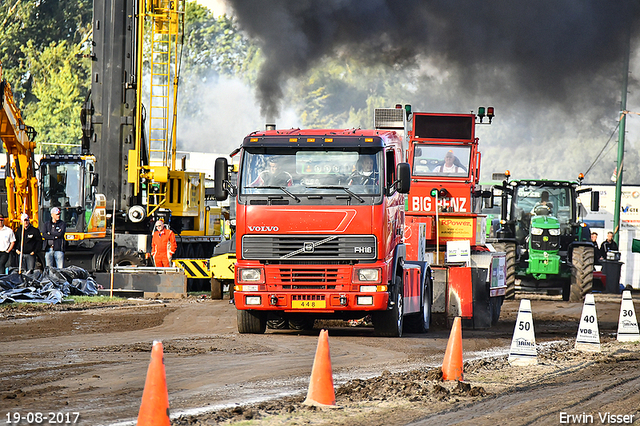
[
  {"x": 608, "y": 245},
  {"x": 28, "y": 243},
  {"x": 597, "y": 254}
]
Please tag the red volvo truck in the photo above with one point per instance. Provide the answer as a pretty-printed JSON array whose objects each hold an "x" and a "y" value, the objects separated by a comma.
[
  {"x": 319, "y": 230},
  {"x": 444, "y": 226}
]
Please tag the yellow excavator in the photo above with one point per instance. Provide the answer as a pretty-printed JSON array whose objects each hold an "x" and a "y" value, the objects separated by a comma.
[{"x": 17, "y": 140}]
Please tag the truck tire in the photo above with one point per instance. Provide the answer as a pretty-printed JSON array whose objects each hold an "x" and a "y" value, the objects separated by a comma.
[
  {"x": 216, "y": 289},
  {"x": 496, "y": 307},
  {"x": 581, "y": 273},
  {"x": 420, "y": 322},
  {"x": 389, "y": 323},
  {"x": 302, "y": 324},
  {"x": 510, "y": 250},
  {"x": 278, "y": 324},
  {"x": 251, "y": 322}
]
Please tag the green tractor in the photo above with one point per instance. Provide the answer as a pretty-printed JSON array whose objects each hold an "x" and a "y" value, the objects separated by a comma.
[{"x": 548, "y": 247}]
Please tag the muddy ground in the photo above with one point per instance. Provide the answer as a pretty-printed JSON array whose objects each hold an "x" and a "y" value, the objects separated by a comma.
[{"x": 93, "y": 361}]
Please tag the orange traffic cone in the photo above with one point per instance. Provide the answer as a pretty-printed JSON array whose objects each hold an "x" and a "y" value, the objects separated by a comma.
[
  {"x": 321, "y": 392},
  {"x": 452, "y": 364},
  {"x": 154, "y": 410}
]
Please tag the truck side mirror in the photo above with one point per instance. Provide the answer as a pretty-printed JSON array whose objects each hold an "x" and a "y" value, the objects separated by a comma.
[
  {"x": 221, "y": 177},
  {"x": 595, "y": 201},
  {"x": 94, "y": 179},
  {"x": 403, "y": 172}
]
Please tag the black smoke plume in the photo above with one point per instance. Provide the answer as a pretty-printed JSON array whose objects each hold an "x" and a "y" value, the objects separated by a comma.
[{"x": 546, "y": 47}]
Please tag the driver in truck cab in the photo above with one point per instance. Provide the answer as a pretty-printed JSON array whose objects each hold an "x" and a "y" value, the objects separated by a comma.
[
  {"x": 364, "y": 174},
  {"x": 449, "y": 165},
  {"x": 273, "y": 175}
]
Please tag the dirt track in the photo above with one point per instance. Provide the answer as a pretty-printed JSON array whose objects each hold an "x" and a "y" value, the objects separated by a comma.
[{"x": 94, "y": 362}]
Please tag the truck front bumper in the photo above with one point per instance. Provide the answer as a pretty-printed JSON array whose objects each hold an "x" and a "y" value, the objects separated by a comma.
[{"x": 299, "y": 301}]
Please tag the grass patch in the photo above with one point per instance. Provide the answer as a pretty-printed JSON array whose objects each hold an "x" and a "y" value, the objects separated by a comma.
[{"x": 92, "y": 299}]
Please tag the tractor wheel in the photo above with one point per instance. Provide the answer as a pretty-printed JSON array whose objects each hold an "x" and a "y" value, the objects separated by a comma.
[
  {"x": 127, "y": 257},
  {"x": 581, "y": 273},
  {"x": 389, "y": 323},
  {"x": 510, "y": 250},
  {"x": 252, "y": 322}
]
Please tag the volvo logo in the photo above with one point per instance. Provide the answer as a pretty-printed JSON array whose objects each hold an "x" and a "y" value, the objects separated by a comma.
[
  {"x": 308, "y": 248},
  {"x": 264, "y": 228}
]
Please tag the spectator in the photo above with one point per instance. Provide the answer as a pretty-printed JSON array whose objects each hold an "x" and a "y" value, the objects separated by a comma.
[
  {"x": 163, "y": 245},
  {"x": 54, "y": 242},
  {"x": 608, "y": 245},
  {"x": 7, "y": 241},
  {"x": 28, "y": 242},
  {"x": 597, "y": 255}
]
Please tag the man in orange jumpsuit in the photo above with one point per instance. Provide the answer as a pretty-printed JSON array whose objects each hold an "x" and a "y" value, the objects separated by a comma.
[{"x": 163, "y": 245}]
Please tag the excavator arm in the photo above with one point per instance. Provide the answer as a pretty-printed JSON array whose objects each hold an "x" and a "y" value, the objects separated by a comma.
[{"x": 17, "y": 140}]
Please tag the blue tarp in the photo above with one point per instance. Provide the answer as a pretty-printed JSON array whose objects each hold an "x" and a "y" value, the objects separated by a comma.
[{"x": 48, "y": 286}]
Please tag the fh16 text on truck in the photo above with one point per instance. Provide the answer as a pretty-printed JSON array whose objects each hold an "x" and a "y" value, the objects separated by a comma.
[{"x": 325, "y": 228}]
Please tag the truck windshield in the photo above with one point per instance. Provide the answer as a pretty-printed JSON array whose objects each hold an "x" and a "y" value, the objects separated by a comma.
[
  {"x": 438, "y": 160},
  {"x": 532, "y": 200},
  {"x": 305, "y": 173}
]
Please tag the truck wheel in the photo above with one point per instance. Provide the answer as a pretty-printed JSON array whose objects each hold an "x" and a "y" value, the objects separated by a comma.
[
  {"x": 252, "y": 322},
  {"x": 496, "y": 307},
  {"x": 302, "y": 324},
  {"x": 389, "y": 323},
  {"x": 420, "y": 323},
  {"x": 278, "y": 324},
  {"x": 216, "y": 289},
  {"x": 581, "y": 273},
  {"x": 510, "y": 250}
]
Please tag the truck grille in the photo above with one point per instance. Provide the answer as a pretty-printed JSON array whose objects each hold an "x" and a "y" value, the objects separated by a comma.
[
  {"x": 309, "y": 247},
  {"x": 538, "y": 241},
  {"x": 308, "y": 275}
]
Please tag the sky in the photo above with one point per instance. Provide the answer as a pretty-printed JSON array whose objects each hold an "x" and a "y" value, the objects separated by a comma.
[{"x": 551, "y": 68}]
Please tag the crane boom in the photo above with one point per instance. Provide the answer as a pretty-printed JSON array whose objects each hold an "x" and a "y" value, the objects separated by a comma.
[{"x": 17, "y": 140}]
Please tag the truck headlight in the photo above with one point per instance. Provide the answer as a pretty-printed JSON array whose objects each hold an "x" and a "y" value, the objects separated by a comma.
[
  {"x": 364, "y": 300},
  {"x": 368, "y": 274},
  {"x": 252, "y": 300},
  {"x": 554, "y": 232},
  {"x": 536, "y": 231},
  {"x": 250, "y": 275}
]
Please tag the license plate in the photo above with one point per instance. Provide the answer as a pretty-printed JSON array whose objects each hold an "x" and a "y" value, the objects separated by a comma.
[{"x": 308, "y": 304}]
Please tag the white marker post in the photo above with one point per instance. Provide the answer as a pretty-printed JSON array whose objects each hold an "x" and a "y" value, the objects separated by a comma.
[
  {"x": 523, "y": 345},
  {"x": 588, "y": 338},
  {"x": 627, "y": 324}
]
